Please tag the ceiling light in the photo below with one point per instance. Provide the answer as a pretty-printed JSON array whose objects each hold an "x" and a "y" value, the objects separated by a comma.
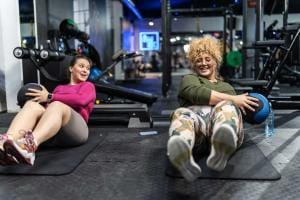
[
  {"x": 172, "y": 40},
  {"x": 186, "y": 48},
  {"x": 151, "y": 23}
]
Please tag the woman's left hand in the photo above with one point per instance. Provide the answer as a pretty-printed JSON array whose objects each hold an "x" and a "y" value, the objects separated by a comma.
[
  {"x": 38, "y": 95},
  {"x": 244, "y": 101}
]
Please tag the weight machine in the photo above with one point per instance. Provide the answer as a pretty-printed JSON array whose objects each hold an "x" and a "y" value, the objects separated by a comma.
[
  {"x": 133, "y": 112},
  {"x": 275, "y": 63},
  {"x": 115, "y": 104},
  {"x": 271, "y": 70}
]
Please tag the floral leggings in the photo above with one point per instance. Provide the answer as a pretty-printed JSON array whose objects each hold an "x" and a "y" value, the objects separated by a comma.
[{"x": 196, "y": 123}]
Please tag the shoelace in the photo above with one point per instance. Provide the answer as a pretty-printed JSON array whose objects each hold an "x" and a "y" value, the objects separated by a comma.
[
  {"x": 27, "y": 142},
  {"x": 3, "y": 137}
]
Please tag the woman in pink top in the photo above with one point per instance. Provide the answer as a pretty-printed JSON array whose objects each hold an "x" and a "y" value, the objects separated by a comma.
[{"x": 62, "y": 122}]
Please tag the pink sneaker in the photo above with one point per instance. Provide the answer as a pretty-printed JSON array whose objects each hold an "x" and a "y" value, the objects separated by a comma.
[
  {"x": 22, "y": 149},
  {"x": 6, "y": 159}
]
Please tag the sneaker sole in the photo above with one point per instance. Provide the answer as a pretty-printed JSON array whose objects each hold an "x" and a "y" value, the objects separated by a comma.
[
  {"x": 2, "y": 157},
  {"x": 6, "y": 159},
  {"x": 181, "y": 158},
  {"x": 14, "y": 150},
  {"x": 223, "y": 145}
]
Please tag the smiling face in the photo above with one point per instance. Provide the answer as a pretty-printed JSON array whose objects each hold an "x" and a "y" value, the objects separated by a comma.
[
  {"x": 80, "y": 71},
  {"x": 206, "y": 66},
  {"x": 205, "y": 57}
]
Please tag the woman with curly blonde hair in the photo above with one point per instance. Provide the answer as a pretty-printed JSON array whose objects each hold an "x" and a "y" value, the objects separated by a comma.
[{"x": 209, "y": 116}]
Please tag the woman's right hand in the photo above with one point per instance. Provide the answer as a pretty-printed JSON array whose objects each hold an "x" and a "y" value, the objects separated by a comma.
[
  {"x": 244, "y": 101},
  {"x": 38, "y": 95}
]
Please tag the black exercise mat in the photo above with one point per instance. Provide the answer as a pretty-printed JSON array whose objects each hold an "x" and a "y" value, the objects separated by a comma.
[
  {"x": 248, "y": 163},
  {"x": 54, "y": 161}
]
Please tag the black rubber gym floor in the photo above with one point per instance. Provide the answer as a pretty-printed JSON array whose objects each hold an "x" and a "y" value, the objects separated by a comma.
[{"x": 130, "y": 166}]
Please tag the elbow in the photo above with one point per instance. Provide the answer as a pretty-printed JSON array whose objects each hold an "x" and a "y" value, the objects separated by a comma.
[
  {"x": 81, "y": 103},
  {"x": 85, "y": 102},
  {"x": 78, "y": 103},
  {"x": 212, "y": 102}
]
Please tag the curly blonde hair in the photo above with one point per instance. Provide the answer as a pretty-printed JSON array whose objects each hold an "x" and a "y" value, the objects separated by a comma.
[{"x": 206, "y": 44}]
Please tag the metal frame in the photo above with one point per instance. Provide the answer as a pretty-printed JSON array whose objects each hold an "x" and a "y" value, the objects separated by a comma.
[{"x": 166, "y": 30}]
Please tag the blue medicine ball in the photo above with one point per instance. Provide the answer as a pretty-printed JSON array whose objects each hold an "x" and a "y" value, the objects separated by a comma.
[
  {"x": 21, "y": 97},
  {"x": 261, "y": 112}
]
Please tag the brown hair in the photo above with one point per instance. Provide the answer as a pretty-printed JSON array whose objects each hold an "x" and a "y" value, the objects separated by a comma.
[{"x": 77, "y": 57}]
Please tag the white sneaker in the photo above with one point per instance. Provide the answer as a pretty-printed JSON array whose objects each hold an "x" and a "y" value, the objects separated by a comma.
[
  {"x": 223, "y": 145},
  {"x": 180, "y": 155}
]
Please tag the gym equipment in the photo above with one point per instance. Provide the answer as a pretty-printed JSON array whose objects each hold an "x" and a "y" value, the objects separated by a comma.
[
  {"x": 69, "y": 28},
  {"x": 133, "y": 112},
  {"x": 46, "y": 54},
  {"x": 38, "y": 61},
  {"x": 234, "y": 59},
  {"x": 115, "y": 104},
  {"x": 271, "y": 70},
  {"x": 261, "y": 112},
  {"x": 95, "y": 73},
  {"x": 21, "y": 97}
]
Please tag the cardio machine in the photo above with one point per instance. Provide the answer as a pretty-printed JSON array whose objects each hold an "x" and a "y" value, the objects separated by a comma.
[{"x": 134, "y": 112}]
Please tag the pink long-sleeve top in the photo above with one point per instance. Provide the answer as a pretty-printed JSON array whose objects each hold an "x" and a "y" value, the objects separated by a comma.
[{"x": 80, "y": 97}]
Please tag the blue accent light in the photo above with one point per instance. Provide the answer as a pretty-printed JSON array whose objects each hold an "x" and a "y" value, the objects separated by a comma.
[
  {"x": 127, "y": 40},
  {"x": 156, "y": 4},
  {"x": 130, "y": 5}
]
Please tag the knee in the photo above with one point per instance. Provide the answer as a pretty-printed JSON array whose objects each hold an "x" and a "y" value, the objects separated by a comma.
[
  {"x": 60, "y": 109},
  {"x": 185, "y": 116},
  {"x": 180, "y": 111},
  {"x": 227, "y": 104},
  {"x": 58, "y": 106},
  {"x": 34, "y": 107}
]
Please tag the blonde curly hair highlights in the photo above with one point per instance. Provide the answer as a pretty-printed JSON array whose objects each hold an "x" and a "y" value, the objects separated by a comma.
[{"x": 206, "y": 44}]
